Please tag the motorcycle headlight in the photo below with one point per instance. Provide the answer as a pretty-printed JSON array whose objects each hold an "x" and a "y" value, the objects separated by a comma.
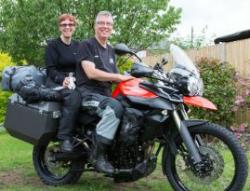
[
  {"x": 190, "y": 86},
  {"x": 195, "y": 86}
]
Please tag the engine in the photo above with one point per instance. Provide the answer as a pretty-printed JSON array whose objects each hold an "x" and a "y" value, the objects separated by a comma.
[{"x": 127, "y": 157}]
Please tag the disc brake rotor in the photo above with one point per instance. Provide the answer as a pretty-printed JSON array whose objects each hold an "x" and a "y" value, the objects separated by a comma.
[{"x": 211, "y": 154}]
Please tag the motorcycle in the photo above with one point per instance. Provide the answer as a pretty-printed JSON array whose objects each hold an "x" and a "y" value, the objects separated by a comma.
[{"x": 195, "y": 154}]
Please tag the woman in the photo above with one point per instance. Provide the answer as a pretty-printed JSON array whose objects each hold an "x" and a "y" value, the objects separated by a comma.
[{"x": 60, "y": 58}]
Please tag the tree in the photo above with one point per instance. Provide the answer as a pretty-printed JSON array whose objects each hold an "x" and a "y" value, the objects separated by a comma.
[
  {"x": 25, "y": 25},
  {"x": 194, "y": 41}
]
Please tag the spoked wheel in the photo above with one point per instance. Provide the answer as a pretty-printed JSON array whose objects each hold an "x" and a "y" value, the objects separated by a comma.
[
  {"x": 224, "y": 165},
  {"x": 52, "y": 171}
]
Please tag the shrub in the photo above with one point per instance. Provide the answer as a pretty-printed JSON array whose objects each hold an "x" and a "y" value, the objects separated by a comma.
[
  {"x": 241, "y": 108},
  {"x": 3, "y": 103},
  {"x": 124, "y": 64},
  {"x": 5, "y": 60},
  {"x": 242, "y": 100},
  {"x": 220, "y": 88}
]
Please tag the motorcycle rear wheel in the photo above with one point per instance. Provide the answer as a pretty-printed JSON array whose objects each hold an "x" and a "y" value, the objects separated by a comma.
[
  {"x": 52, "y": 172},
  {"x": 226, "y": 159}
]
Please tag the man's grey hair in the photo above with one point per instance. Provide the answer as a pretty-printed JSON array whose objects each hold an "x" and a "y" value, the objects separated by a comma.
[{"x": 103, "y": 13}]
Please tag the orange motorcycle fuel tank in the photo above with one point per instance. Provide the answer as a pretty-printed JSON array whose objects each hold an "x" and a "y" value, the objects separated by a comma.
[{"x": 139, "y": 96}]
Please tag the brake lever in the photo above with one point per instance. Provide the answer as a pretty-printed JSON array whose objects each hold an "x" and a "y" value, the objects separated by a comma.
[{"x": 156, "y": 66}]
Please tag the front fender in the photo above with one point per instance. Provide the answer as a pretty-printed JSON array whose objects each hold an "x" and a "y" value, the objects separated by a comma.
[
  {"x": 198, "y": 101},
  {"x": 170, "y": 146}
]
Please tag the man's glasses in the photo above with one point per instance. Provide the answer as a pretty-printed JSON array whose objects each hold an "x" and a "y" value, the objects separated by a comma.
[
  {"x": 65, "y": 25},
  {"x": 102, "y": 23}
]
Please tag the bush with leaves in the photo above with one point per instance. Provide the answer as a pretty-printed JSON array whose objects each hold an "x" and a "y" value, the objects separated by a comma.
[
  {"x": 220, "y": 88},
  {"x": 124, "y": 64},
  {"x": 241, "y": 108},
  {"x": 3, "y": 103},
  {"x": 5, "y": 60},
  {"x": 242, "y": 100}
]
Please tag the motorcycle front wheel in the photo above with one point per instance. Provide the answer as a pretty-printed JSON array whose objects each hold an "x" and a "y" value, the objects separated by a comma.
[
  {"x": 52, "y": 171},
  {"x": 224, "y": 164}
]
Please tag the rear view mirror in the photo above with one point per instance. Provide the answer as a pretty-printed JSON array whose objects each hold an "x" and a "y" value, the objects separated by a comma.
[{"x": 122, "y": 49}]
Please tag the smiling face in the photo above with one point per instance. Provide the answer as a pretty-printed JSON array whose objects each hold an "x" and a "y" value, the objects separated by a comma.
[
  {"x": 67, "y": 28},
  {"x": 103, "y": 27}
]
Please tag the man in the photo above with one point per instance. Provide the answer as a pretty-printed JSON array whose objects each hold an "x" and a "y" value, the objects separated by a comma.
[{"x": 94, "y": 76}]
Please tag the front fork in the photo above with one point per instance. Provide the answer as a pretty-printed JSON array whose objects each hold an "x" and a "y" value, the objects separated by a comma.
[{"x": 185, "y": 135}]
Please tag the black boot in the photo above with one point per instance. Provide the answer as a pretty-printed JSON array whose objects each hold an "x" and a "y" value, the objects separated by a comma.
[{"x": 102, "y": 164}]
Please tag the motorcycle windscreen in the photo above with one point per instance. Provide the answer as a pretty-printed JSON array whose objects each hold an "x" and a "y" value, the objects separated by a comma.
[
  {"x": 198, "y": 101},
  {"x": 132, "y": 88}
]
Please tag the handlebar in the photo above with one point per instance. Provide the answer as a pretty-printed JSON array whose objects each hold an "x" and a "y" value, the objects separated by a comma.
[{"x": 157, "y": 72}]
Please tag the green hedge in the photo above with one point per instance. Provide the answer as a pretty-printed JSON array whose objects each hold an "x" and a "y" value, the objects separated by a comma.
[
  {"x": 124, "y": 64},
  {"x": 5, "y": 60},
  {"x": 3, "y": 103},
  {"x": 220, "y": 88}
]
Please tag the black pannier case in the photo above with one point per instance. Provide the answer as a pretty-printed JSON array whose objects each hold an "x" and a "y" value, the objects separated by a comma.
[{"x": 32, "y": 123}]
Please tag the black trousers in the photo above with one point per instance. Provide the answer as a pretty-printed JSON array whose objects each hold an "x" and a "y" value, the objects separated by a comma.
[{"x": 70, "y": 109}]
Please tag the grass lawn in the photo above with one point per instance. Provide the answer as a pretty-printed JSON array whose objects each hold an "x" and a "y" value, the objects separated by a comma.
[{"x": 17, "y": 174}]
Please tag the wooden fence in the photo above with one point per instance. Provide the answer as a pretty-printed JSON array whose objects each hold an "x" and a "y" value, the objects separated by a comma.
[{"x": 235, "y": 53}]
